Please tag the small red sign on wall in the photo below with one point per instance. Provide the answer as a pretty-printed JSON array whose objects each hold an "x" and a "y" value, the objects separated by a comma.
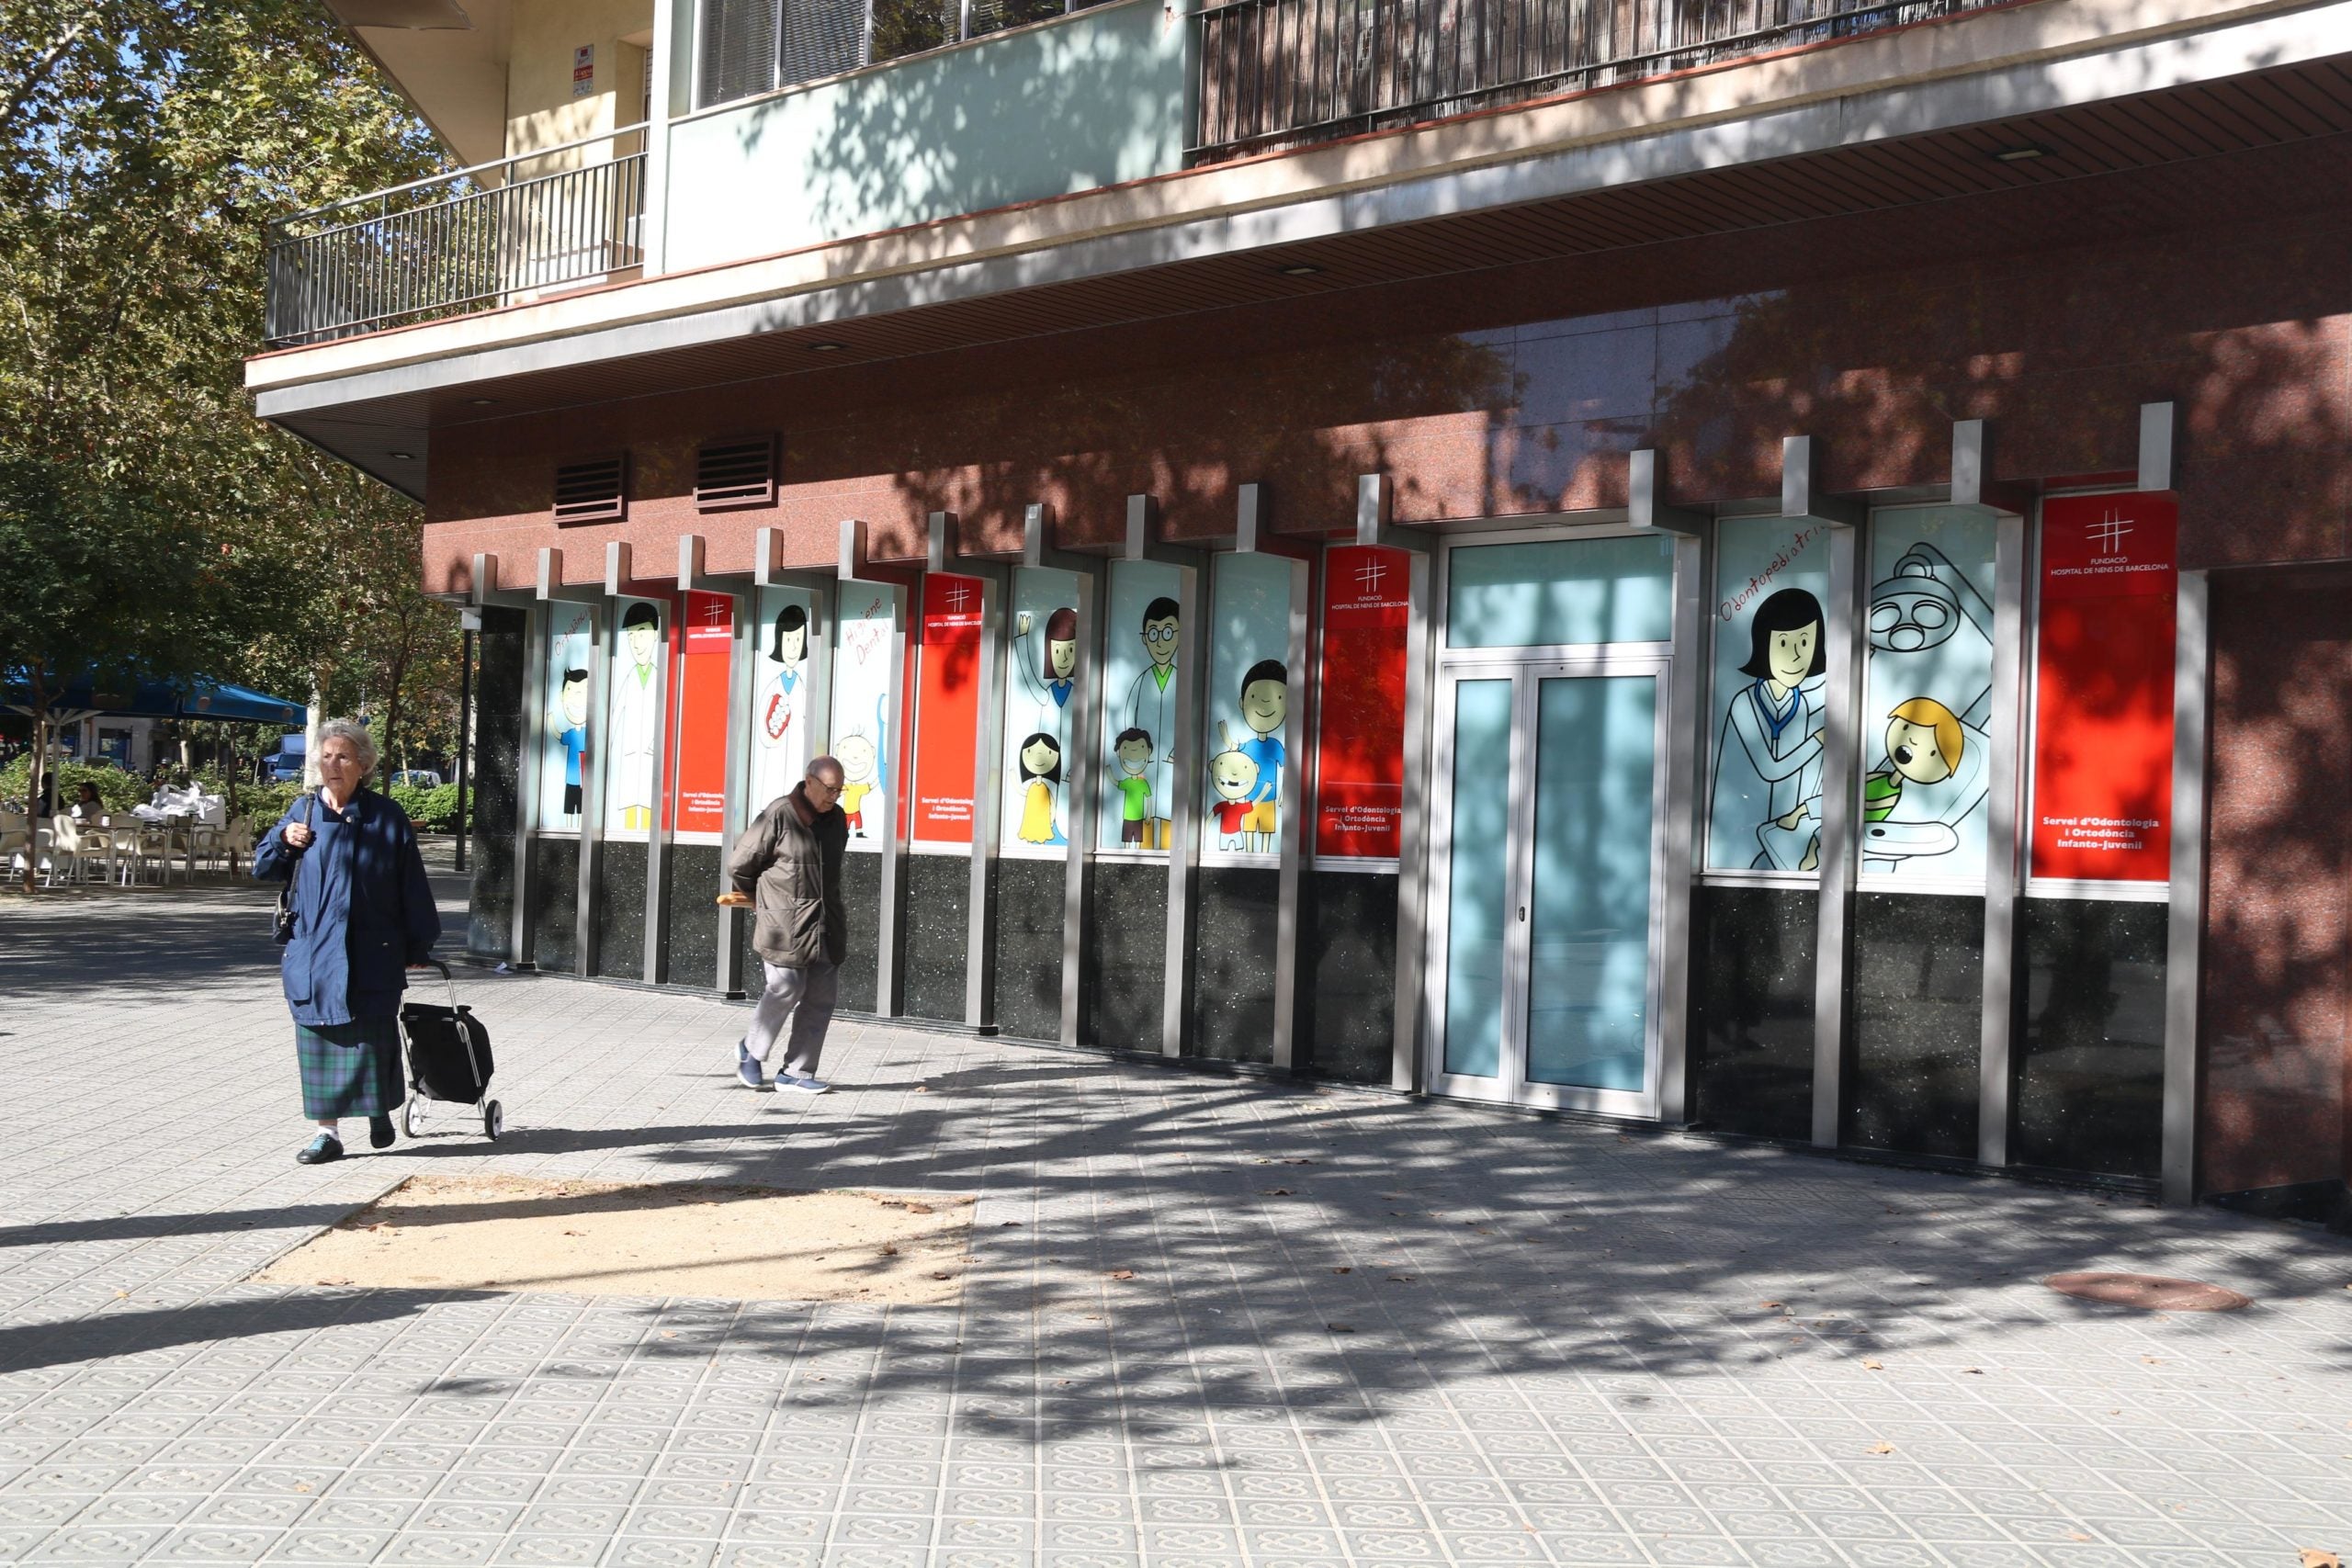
[
  {"x": 1360, "y": 779},
  {"x": 699, "y": 782},
  {"x": 2102, "y": 748},
  {"x": 947, "y": 709}
]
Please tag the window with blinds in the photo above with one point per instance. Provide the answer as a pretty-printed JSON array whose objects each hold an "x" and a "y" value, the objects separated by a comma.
[
  {"x": 738, "y": 41},
  {"x": 748, "y": 47}
]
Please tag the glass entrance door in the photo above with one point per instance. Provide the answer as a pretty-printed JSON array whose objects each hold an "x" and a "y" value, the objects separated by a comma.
[{"x": 1547, "y": 886}]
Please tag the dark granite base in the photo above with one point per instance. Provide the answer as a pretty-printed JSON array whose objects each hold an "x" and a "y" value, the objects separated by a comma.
[
  {"x": 691, "y": 934},
  {"x": 1233, "y": 962},
  {"x": 1029, "y": 948},
  {"x": 938, "y": 936},
  {"x": 1918, "y": 1001},
  {"x": 861, "y": 901},
  {"x": 555, "y": 904},
  {"x": 1751, "y": 1014},
  {"x": 2088, "y": 1044},
  {"x": 1126, "y": 956},
  {"x": 620, "y": 910},
  {"x": 491, "y": 773},
  {"x": 1347, "y": 957}
]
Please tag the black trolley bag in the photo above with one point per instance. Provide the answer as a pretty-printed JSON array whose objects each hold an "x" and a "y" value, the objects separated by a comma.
[{"x": 449, "y": 1059}]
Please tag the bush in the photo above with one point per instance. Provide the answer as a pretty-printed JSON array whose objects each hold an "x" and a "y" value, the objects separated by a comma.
[
  {"x": 433, "y": 810},
  {"x": 117, "y": 790}
]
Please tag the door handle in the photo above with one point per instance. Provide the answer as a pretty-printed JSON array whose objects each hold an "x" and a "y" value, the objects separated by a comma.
[{"x": 1523, "y": 912}]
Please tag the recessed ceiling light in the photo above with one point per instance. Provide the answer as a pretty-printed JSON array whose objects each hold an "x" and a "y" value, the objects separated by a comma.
[
  {"x": 824, "y": 348},
  {"x": 404, "y": 456},
  {"x": 480, "y": 403},
  {"x": 2025, "y": 154},
  {"x": 1300, "y": 269}
]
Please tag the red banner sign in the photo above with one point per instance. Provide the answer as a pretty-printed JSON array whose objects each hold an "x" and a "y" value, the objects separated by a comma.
[
  {"x": 698, "y": 730},
  {"x": 1360, "y": 782},
  {"x": 947, "y": 709},
  {"x": 2102, "y": 748}
]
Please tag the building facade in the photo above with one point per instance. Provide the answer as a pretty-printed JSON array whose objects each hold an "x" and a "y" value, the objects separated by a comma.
[{"x": 1775, "y": 568}]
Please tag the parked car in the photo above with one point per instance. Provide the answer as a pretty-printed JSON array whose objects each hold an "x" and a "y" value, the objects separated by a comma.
[
  {"x": 418, "y": 778},
  {"x": 283, "y": 767}
]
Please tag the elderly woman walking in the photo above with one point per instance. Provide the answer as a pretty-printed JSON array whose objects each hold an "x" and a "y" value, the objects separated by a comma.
[{"x": 363, "y": 915}]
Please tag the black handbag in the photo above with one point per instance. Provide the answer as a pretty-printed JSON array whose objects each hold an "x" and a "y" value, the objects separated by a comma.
[{"x": 284, "y": 929}]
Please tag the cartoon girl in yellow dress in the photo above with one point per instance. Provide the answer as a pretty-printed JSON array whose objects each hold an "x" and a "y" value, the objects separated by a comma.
[{"x": 1041, "y": 773}]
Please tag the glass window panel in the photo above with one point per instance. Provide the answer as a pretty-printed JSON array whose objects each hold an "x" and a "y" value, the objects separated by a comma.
[
  {"x": 1929, "y": 697},
  {"x": 568, "y": 722},
  {"x": 1479, "y": 891},
  {"x": 1249, "y": 704},
  {"x": 1764, "y": 793},
  {"x": 865, "y": 709},
  {"x": 1560, "y": 591},
  {"x": 780, "y": 705},
  {"x": 1141, "y": 626},
  {"x": 909, "y": 26},
  {"x": 1040, "y": 701},
  {"x": 1589, "y": 950},
  {"x": 634, "y": 703}
]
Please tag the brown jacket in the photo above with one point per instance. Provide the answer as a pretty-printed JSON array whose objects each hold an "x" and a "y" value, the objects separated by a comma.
[{"x": 793, "y": 870}]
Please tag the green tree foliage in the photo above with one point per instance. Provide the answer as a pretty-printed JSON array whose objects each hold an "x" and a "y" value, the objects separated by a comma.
[{"x": 148, "y": 522}]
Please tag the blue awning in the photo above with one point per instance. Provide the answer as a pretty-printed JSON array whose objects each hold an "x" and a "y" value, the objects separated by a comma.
[{"x": 199, "y": 699}]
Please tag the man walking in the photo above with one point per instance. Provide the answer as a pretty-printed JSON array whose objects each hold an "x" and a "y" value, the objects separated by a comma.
[{"x": 787, "y": 865}]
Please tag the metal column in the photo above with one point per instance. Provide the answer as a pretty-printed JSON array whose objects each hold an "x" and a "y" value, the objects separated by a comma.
[
  {"x": 2185, "y": 926},
  {"x": 2004, "y": 844},
  {"x": 988, "y": 783}
]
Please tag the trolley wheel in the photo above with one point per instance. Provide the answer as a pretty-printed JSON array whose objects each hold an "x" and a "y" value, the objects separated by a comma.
[
  {"x": 493, "y": 1120},
  {"x": 411, "y": 1123}
]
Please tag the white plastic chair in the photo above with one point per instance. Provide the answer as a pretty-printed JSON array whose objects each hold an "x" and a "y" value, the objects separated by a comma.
[{"x": 68, "y": 852}]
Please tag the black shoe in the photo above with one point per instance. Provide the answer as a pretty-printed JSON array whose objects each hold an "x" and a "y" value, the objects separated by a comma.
[
  {"x": 379, "y": 1132},
  {"x": 319, "y": 1150}
]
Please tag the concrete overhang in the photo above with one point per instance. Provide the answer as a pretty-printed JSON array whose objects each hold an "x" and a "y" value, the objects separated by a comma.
[{"x": 1936, "y": 99}]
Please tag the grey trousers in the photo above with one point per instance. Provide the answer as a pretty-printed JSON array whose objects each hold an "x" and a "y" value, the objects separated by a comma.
[{"x": 804, "y": 996}]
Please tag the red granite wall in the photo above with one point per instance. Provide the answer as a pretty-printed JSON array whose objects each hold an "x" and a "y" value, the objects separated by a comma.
[{"x": 2277, "y": 966}]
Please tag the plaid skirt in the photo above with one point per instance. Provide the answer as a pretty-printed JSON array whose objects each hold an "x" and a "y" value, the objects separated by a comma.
[{"x": 350, "y": 1069}]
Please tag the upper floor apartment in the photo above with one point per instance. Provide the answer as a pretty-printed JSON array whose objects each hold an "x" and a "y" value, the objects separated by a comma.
[{"x": 647, "y": 180}]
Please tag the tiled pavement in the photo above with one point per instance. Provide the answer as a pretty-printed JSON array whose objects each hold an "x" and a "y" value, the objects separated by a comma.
[{"x": 1358, "y": 1330}]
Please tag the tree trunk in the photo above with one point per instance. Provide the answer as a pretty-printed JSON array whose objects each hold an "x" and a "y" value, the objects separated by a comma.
[
  {"x": 317, "y": 717},
  {"x": 36, "y": 775}
]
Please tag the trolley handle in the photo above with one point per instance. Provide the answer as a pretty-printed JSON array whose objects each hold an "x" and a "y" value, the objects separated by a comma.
[{"x": 447, "y": 978}]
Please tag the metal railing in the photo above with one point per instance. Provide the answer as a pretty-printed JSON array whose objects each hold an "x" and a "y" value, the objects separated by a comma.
[
  {"x": 462, "y": 241},
  {"x": 1286, "y": 73}
]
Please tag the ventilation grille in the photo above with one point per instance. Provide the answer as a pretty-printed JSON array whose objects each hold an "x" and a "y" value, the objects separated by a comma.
[
  {"x": 739, "y": 50},
  {"x": 821, "y": 37},
  {"x": 735, "y": 473},
  {"x": 593, "y": 491}
]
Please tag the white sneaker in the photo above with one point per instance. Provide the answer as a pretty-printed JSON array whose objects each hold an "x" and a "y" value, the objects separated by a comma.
[{"x": 785, "y": 1082}]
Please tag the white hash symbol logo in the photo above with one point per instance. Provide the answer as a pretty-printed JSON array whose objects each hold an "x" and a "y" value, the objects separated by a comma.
[
  {"x": 1370, "y": 575},
  {"x": 2107, "y": 532},
  {"x": 958, "y": 595}
]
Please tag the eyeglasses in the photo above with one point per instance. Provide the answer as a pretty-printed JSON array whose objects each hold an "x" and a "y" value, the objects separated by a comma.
[{"x": 1160, "y": 634}]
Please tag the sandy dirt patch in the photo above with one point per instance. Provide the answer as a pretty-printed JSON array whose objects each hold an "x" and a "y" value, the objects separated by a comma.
[{"x": 611, "y": 1238}]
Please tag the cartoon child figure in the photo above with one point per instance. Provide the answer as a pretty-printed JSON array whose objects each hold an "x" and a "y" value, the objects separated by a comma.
[
  {"x": 1265, "y": 703},
  {"x": 1151, "y": 700},
  {"x": 1053, "y": 676},
  {"x": 1234, "y": 778},
  {"x": 633, "y": 719},
  {"x": 860, "y": 763},
  {"x": 1040, "y": 776},
  {"x": 574, "y": 738},
  {"x": 1137, "y": 823},
  {"x": 1925, "y": 743}
]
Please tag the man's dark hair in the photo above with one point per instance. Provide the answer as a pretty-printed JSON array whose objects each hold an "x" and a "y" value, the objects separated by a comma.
[
  {"x": 572, "y": 675},
  {"x": 1131, "y": 733},
  {"x": 1265, "y": 669},
  {"x": 640, "y": 615},
  {"x": 1162, "y": 609}
]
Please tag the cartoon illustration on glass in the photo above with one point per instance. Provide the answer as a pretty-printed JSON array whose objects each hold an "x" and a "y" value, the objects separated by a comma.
[
  {"x": 1050, "y": 672},
  {"x": 1041, "y": 698},
  {"x": 1767, "y": 758},
  {"x": 636, "y": 704},
  {"x": 1931, "y": 694},
  {"x": 1141, "y": 640},
  {"x": 864, "y": 695},
  {"x": 567, "y": 718},
  {"x": 1248, "y": 697},
  {"x": 1233, "y": 789},
  {"x": 780, "y": 716},
  {"x": 1771, "y": 664},
  {"x": 1040, "y": 784}
]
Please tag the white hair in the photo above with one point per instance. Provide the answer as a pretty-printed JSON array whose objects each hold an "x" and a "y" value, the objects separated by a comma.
[{"x": 352, "y": 730}]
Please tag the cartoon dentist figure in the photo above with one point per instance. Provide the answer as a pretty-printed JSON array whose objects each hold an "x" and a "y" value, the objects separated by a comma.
[
  {"x": 634, "y": 700},
  {"x": 1768, "y": 758},
  {"x": 1265, "y": 702},
  {"x": 1151, "y": 703},
  {"x": 573, "y": 704},
  {"x": 785, "y": 692},
  {"x": 1053, "y": 675}
]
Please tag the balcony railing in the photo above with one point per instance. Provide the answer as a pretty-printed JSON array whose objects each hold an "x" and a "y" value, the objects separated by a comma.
[
  {"x": 490, "y": 235},
  {"x": 1285, "y": 72}
]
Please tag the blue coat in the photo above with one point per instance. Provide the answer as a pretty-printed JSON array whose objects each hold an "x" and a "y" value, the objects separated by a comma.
[{"x": 363, "y": 909}]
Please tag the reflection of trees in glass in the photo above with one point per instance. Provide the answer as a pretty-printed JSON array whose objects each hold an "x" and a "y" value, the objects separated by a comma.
[
  {"x": 909, "y": 26},
  {"x": 995, "y": 15}
]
